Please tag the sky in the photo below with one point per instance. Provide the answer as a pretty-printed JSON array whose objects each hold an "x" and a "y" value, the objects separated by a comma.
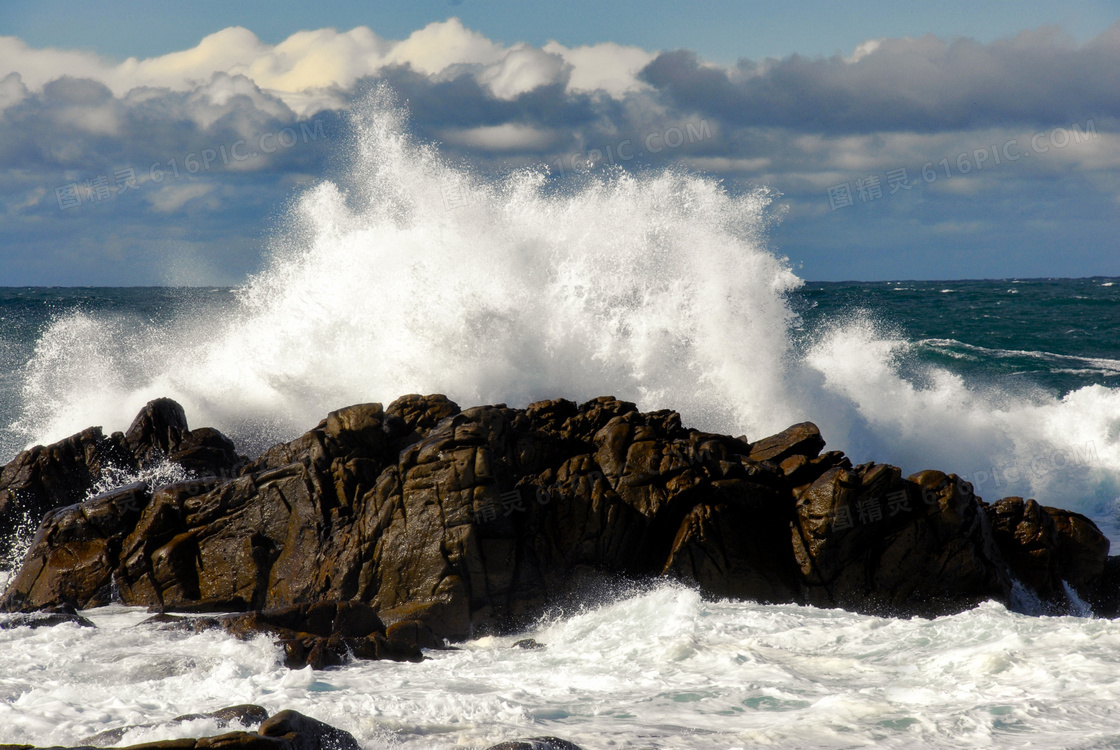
[{"x": 150, "y": 143}]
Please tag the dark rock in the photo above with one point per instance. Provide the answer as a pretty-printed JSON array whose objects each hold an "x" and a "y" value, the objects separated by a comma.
[
  {"x": 287, "y": 730},
  {"x": 72, "y": 558},
  {"x": 446, "y": 524},
  {"x": 869, "y": 541},
  {"x": 536, "y": 743},
  {"x": 246, "y": 714},
  {"x": 42, "y": 479},
  {"x": 156, "y": 431},
  {"x": 46, "y": 618},
  {"x": 1048, "y": 548},
  {"x": 306, "y": 733},
  {"x": 319, "y": 634},
  {"x": 799, "y": 440}
]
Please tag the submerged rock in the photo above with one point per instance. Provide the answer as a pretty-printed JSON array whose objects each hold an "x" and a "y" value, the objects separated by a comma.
[
  {"x": 319, "y": 634},
  {"x": 246, "y": 715},
  {"x": 287, "y": 730},
  {"x": 536, "y": 743},
  {"x": 447, "y": 523},
  {"x": 46, "y": 618}
]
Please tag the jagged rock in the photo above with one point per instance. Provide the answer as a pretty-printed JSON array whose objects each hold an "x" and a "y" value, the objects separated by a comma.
[
  {"x": 44, "y": 478},
  {"x": 1048, "y": 547},
  {"x": 156, "y": 431},
  {"x": 802, "y": 439},
  {"x": 869, "y": 541},
  {"x": 71, "y": 560},
  {"x": 452, "y": 523}
]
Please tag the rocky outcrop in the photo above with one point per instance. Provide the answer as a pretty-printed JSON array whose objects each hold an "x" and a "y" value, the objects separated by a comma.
[
  {"x": 47, "y": 477},
  {"x": 450, "y": 523},
  {"x": 287, "y": 730},
  {"x": 1051, "y": 551}
]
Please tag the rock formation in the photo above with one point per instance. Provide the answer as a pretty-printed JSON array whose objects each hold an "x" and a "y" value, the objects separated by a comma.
[
  {"x": 450, "y": 523},
  {"x": 44, "y": 478}
]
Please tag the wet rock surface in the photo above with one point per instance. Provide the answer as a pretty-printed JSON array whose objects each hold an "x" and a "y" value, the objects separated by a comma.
[
  {"x": 287, "y": 730},
  {"x": 44, "y": 478},
  {"x": 536, "y": 743},
  {"x": 433, "y": 522}
]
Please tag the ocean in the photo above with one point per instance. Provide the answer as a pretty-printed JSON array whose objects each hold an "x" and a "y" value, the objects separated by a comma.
[{"x": 410, "y": 274}]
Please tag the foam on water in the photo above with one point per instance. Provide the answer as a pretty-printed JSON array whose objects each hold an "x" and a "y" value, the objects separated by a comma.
[
  {"x": 415, "y": 275},
  {"x": 661, "y": 668}
]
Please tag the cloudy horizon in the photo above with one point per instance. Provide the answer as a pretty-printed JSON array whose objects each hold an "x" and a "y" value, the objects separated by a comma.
[{"x": 912, "y": 156}]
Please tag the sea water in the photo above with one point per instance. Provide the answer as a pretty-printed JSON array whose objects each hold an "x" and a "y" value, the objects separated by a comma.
[{"x": 412, "y": 275}]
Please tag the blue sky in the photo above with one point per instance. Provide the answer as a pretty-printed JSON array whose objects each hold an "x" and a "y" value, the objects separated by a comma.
[{"x": 948, "y": 140}]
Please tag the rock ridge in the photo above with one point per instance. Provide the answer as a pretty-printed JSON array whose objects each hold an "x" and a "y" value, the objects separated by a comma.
[{"x": 443, "y": 524}]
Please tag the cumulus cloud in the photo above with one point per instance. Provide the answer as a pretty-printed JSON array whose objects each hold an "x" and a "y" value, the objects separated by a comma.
[
  {"x": 256, "y": 119},
  {"x": 924, "y": 84},
  {"x": 306, "y": 70}
]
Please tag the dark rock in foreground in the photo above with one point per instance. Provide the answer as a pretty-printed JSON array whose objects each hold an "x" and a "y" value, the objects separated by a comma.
[
  {"x": 536, "y": 743},
  {"x": 45, "y": 618},
  {"x": 287, "y": 730},
  {"x": 451, "y": 523},
  {"x": 245, "y": 714}
]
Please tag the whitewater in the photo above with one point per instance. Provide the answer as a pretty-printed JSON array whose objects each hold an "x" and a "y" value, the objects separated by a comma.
[
  {"x": 658, "y": 669},
  {"x": 413, "y": 274}
]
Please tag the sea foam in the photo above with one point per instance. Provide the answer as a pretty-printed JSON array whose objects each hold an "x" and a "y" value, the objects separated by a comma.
[{"x": 413, "y": 274}]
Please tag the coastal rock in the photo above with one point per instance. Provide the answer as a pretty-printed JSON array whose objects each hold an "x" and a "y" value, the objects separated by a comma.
[
  {"x": 536, "y": 743},
  {"x": 246, "y": 715},
  {"x": 869, "y": 541},
  {"x": 287, "y": 730},
  {"x": 44, "y": 478},
  {"x": 319, "y": 634},
  {"x": 305, "y": 733},
  {"x": 453, "y": 523},
  {"x": 1048, "y": 549},
  {"x": 45, "y": 619}
]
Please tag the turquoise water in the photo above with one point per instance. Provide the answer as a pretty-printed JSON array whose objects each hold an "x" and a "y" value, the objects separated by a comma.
[{"x": 1058, "y": 334}]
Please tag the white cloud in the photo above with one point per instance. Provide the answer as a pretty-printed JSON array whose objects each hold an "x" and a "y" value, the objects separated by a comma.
[
  {"x": 607, "y": 67},
  {"x": 523, "y": 69},
  {"x": 438, "y": 46},
  {"x": 12, "y": 90},
  {"x": 307, "y": 70}
]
